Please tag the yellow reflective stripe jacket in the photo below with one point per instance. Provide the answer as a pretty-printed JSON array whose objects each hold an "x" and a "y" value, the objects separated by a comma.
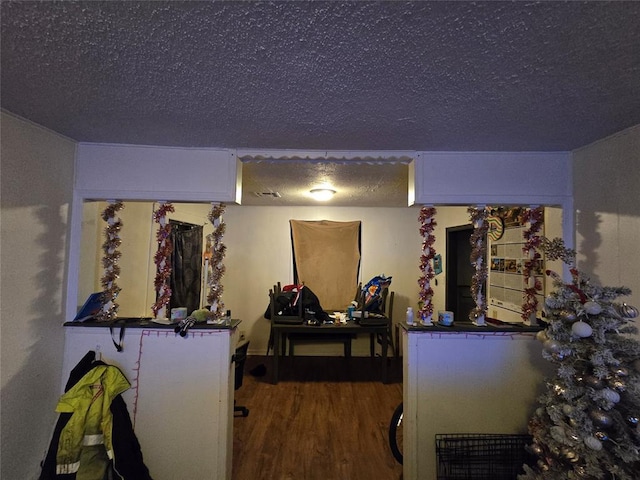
[{"x": 89, "y": 401}]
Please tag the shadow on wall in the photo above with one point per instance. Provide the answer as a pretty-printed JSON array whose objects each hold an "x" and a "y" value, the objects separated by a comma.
[
  {"x": 27, "y": 423},
  {"x": 588, "y": 228}
]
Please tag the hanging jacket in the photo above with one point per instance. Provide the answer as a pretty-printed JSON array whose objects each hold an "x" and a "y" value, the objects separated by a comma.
[{"x": 94, "y": 433}]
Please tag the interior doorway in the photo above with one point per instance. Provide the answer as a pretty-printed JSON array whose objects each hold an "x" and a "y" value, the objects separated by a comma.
[
  {"x": 186, "y": 265},
  {"x": 459, "y": 271}
]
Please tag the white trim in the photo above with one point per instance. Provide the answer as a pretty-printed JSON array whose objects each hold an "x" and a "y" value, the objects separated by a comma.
[
  {"x": 67, "y": 468},
  {"x": 91, "y": 440}
]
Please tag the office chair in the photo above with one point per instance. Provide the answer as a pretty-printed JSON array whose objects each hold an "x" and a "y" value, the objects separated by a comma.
[{"x": 239, "y": 358}]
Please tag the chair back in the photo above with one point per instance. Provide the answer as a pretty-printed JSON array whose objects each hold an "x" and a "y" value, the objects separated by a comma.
[
  {"x": 239, "y": 358},
  {"x": 298, "y": 317},
  {"x": 387, "y": 306}
]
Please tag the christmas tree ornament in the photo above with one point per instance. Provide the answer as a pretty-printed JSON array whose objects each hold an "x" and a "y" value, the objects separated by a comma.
[
  {"x": 603, "y": 437},
  {"x": 560, "y": 435},
  {"x": 567, "y": 315},
  {"x": 550, "y": 301},
  {"x": 552, "y": 346},
  {"x": 580, "y": 471},
  {"x": 618, "y": 384},
  {"x": 537, "y": 449},
  {"x": 610, "y": 395},
  {"x": 601, "y": 419},
  {"x": 593, "y": 443},
  {"x": 570, "y": 454},
  {"x": 621, "y": 372},
  {"x": 627, "y": 311},
  {"x": 560, "y": 356},
  {"x": 567, "y": 409},
  {"x": 542, "y": 336},
  {"x": 543, "y": 466},
  {"x": 592, "y": 308},
  {"x": 581, "y": 329},
  {"x": 632, "y": 420},
  {"x": 593, "y": 382}
]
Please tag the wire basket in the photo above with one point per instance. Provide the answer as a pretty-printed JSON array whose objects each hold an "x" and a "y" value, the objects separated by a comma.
[{"x": 480, "y": 456}]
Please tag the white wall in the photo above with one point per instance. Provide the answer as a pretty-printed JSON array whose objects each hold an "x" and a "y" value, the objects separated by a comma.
[
  {"x": 607, "y": 200},
  {"x": 174, "y": 410},
  {"x": 468, "y": 382},
  {"x": 37, "y": 183}
]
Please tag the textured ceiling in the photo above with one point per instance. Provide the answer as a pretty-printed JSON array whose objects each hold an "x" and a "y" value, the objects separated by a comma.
[{"x": 325, "y": 75}]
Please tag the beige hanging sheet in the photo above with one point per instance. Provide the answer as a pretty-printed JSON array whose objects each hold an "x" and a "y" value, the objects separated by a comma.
[{"x": 327, "y": 259}]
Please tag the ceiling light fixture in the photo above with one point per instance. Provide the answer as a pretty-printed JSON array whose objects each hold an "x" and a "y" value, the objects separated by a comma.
[{"x": 322, "y": 194}]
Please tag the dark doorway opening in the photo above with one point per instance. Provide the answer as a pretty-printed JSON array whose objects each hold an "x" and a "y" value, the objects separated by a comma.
[
  {"x": 459, "y": 272},
  {"x": 186, "y": 265}
]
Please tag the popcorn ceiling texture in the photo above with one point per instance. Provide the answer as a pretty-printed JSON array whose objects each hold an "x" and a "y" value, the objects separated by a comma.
[
  {"x": 543, "y": 76},
  {"x": 326, "y": 75}
]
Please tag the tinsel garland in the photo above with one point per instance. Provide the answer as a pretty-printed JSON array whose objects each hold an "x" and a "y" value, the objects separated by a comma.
[
  {"x": 534, "y": 217},
  {"x": 214, "y": 297},
  {"x": 161, "y": 259},
  {"x": 110, "y": 260},
  {"x": 427, "y": 226},
  {"x": 478, "y": 217}
]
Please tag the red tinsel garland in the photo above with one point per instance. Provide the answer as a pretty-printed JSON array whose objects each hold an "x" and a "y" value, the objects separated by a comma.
[
  {"x": 110, "y": 260},
  {"x": 534, "y": 216},
  {"x": 214, "y": 297},
  {"x": 163, "y": 266},
  {"x": 427, "y": 226},
  {"x": 478, "y": 217}
]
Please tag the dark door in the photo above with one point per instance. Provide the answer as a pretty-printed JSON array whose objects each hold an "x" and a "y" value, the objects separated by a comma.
[
  {"x": 186, "y": 265},
  {"x": 459, "y": 272}
]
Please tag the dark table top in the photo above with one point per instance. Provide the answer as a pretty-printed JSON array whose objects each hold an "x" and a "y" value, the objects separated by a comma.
[
  {"x": 145, "y": 322},
  {"x": 468, "y": 326},
  {"x": 350, "y": 327}
]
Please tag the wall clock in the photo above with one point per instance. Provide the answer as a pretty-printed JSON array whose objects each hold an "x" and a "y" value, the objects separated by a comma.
[{"x": 496, "y": 228}]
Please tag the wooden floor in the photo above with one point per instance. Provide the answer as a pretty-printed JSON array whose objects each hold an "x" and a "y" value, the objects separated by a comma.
[{"x": 326, "y": 419}]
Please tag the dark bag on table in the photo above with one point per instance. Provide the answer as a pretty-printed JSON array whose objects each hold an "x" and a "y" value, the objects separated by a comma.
[{"x": 286, "y": 304}]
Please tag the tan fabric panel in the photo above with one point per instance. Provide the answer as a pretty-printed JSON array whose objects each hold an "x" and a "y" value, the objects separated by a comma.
[{"x": 327, "y": 258}]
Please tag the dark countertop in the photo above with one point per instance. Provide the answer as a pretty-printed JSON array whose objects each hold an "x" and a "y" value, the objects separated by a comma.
[
  {"x": 147, "y": 323},
  {"x": 461, "y": 327}
]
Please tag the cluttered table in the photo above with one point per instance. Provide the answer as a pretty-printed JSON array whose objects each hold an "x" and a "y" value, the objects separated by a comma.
[{"x": 349, "y": 327}]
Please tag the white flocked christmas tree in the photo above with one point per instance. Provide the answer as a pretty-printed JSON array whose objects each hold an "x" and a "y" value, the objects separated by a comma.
[{"x": 586, "y": 424}]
